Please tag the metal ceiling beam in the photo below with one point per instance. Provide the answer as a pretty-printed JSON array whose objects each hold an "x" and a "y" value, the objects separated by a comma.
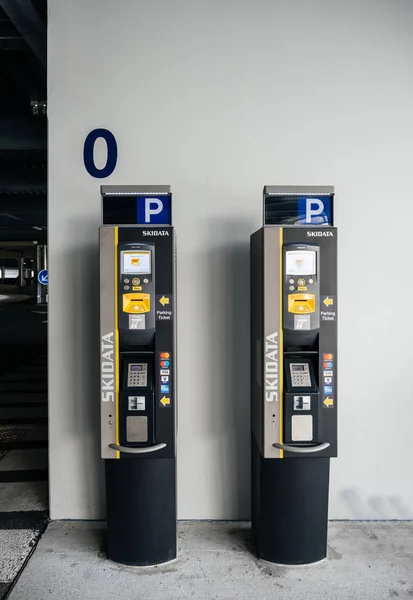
[{"x": 30, "y": 26}]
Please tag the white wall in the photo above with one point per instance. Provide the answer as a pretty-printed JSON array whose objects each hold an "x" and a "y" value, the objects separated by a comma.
[{"x": 218, "y": 98}]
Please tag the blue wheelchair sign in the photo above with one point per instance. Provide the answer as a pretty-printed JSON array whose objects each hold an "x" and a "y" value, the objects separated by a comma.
[{"x": 43, "y": 277}]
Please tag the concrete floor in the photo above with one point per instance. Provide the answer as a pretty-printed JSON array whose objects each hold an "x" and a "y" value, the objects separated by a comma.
[{"x": 366, "y": 561}]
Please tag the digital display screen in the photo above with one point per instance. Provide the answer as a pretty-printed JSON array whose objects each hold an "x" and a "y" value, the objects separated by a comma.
[
  {"x": 136, "y": 263},
  {"x": 300, "y": 262},
  {"x": 298, "y": 367},
  {"x": 136, "y": 367}
]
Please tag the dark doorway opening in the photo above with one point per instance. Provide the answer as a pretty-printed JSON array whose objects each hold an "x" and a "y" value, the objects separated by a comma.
[{"x": 23, "y": 298}]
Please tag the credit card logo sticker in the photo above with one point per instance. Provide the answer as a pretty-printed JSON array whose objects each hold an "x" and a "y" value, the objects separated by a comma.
[
  {"x": 328, "y": 357},
  {"x": 164, "y": 371},
  {"x": 328, "y": 389},
  {"x": 328, "y": 373},
  {"x": 165, "y": 389},
  {"x": 164, "y": 379},
  {"x": 328, "y": 379},
  {"x": 328, "y": 365}
]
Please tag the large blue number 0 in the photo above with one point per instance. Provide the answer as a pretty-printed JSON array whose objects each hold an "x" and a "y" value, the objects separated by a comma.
[{"x": 112, "y": 149}]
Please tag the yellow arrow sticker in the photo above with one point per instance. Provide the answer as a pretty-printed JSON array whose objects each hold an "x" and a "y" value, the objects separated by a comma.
[
  {"x": 329, "y": 401},
  {"x": 164, "y": 300},
  {"x": 165, "y": 401},
  {"x": 328, "y": 301}
]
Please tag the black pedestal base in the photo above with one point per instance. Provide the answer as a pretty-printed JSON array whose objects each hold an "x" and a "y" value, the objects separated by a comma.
[
  {"x": 141, "y": 510},
  {"x": 290, "y": 508}
]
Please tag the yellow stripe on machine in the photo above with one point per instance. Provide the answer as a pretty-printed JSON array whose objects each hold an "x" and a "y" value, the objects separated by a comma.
[
  {"x": 280, "y": 371},
  {"x": 116, "y": 237}
]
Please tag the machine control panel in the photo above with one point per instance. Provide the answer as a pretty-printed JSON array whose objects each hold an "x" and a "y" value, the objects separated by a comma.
[
  {"x": 301, "y": 401},
  {"x": 136, "y": 262},
  {"x": 137, "y": 399},
  {"x": 293, "y": 280},
  {"x": 137, "y": 276},
  {"x": 301, "y": 287},
  {"x": 136, "y": 289}
]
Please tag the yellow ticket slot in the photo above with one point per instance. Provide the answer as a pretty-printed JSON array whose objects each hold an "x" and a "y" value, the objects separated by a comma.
[
  {"x": 136, "y": 303},
  {"x": 301, "y": 303}
]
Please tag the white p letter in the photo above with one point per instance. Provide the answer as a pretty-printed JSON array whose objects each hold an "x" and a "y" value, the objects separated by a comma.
[
  {"x": 156, "y": 203},
  {"x": 314, "y": 207}
]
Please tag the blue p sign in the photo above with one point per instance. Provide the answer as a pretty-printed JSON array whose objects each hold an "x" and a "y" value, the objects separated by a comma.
[
  {"x": 314, "y": 211},
  {"x": 154, "y": 210}
]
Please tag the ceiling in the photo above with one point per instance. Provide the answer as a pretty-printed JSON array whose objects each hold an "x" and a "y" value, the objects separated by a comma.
[{"x": 23, "y": 121}]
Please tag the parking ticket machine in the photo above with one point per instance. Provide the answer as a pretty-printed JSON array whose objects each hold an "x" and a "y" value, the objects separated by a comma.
[
  {"x": 293, "y": 373},
  {"x": 138, "y": 377}
]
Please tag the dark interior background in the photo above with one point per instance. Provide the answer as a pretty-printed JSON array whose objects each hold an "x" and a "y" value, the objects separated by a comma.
[{"x": 23, "y": 176}]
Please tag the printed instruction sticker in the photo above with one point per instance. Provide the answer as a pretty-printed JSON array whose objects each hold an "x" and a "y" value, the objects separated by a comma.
[
  {"x": 328, "y": 308},
  {"x": 136, "y": 321},
  {"x": 164, "y": 307},
  {"x": 136, "y": 402}
]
